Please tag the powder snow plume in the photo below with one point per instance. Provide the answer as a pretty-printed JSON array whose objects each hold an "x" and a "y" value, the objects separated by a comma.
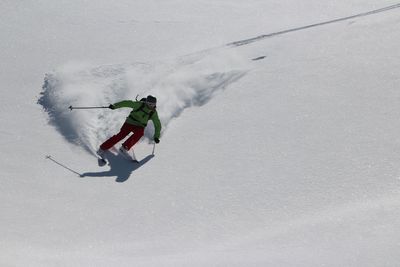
[{"x": 178, "y": 84}]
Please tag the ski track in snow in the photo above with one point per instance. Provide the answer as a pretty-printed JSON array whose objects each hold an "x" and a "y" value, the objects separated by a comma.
[
  {"x": 186, "y": 82},
  {"x": 262, "y": 37}
]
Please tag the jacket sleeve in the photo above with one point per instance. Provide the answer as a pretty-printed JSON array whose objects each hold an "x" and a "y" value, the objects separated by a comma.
[
  {"x": 125, "y": 104},
  {"x": 157, "y": 125}
]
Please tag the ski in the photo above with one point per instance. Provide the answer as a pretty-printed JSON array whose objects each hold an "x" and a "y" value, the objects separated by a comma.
[
  {"x": 101, "y": 160},
  {"x": 126, "y": 155}
]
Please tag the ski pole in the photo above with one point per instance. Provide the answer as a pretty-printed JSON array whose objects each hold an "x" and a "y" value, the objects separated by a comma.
[
  {"x": 71, "y": 107},
  {"x": 154, "y": 148}
]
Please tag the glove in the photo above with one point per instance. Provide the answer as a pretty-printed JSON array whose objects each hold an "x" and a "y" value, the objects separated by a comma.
[
  {"x": 111, "y": 106},
  {"x": 156, "y": 140}
]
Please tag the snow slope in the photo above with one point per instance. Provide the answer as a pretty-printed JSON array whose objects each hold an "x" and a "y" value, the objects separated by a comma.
[{"x": 289, "y": 160}]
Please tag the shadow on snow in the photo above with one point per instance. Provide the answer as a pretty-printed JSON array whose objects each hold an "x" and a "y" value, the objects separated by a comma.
[{"x": 119, "y": 167}]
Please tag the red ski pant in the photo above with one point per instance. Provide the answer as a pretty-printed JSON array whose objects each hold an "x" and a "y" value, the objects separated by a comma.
[{"x": 126, "y": 129}]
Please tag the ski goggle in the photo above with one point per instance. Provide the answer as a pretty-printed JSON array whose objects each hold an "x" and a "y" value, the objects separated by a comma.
[{"x": 151, "y": 105}]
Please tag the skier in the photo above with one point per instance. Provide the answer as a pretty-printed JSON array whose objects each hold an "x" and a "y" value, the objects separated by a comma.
[{"x": 142, "y": 111}]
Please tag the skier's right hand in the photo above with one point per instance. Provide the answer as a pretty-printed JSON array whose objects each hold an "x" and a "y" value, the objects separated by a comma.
[{"x": 111, "y": 106}]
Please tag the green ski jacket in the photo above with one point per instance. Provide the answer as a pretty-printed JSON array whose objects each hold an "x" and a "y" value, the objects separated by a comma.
[{"x": 140, "y": 115}]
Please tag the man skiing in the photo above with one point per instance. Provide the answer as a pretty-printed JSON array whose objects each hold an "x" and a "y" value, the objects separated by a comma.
[{"x": 142, "y": 111}]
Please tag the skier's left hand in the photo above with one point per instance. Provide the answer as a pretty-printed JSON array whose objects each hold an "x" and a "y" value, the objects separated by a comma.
[{"x": 156, "y": 140}]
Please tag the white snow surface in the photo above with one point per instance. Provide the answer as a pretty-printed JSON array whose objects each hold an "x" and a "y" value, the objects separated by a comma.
[{"x": 289, "y": 160}]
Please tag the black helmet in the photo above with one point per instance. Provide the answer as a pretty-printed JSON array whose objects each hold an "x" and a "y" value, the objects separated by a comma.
[{"x": 151, "y": 99}]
